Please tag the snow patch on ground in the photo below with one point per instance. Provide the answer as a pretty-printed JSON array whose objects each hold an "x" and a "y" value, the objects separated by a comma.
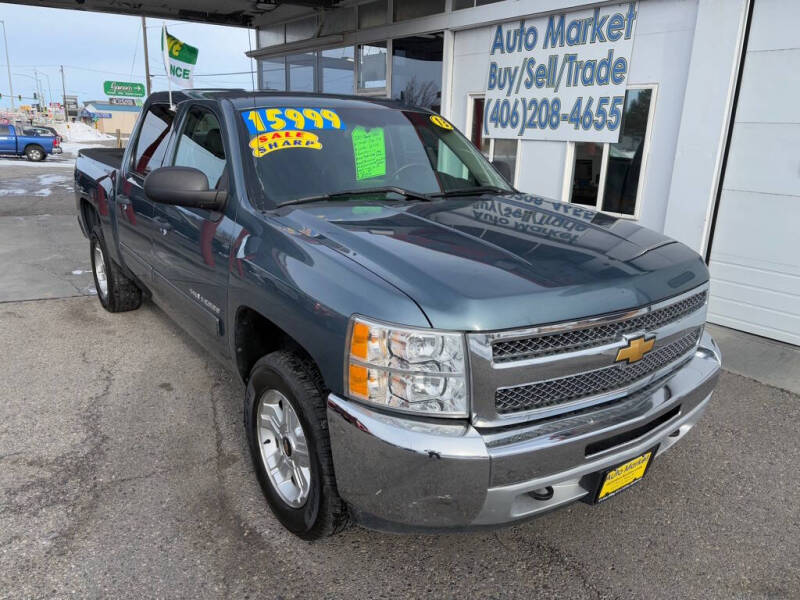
[
  {"x": 51, "y": 179},
  {"x": 45, "y": 164},
  {"x": 12, "y": 192},
  {"x": 80, "y": 132},
  {"x": 71, "y": 148}
]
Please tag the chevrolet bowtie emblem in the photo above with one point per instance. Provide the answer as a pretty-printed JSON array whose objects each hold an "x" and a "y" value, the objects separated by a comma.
[{"x": 636, "y": 349}]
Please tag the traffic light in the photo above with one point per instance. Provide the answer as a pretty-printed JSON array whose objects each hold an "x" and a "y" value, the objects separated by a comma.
[
  {"x": 34, "y": 96},
  {"x": 19, "y": 97}
]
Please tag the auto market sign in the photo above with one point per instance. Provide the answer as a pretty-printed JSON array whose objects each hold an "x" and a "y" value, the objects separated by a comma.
[
  {"x": 123, "y": 88},
  {"x": 560, "y": 77}
]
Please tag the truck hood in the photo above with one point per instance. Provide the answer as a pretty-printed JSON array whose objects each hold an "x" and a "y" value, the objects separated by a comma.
[{"x": 497, "y": 262}]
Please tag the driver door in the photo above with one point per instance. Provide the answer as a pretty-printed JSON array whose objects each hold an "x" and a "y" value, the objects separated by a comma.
[{"x": 192, "y": 246}]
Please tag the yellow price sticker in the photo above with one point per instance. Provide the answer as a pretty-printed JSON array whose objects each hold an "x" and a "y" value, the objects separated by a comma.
[
  {"x": 440, "y": 122},
  {"x": 279, "y": 140}
]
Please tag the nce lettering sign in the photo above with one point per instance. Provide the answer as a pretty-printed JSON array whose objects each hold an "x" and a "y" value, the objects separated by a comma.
[{"x": 560, "y": 77}]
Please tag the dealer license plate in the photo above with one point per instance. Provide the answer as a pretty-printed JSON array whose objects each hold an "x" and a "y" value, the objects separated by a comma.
[{"x": 624, "y": 476}]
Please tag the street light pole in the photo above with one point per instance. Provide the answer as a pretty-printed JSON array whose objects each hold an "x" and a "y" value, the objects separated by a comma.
[
  {"x": 146, "y": 57},
  {"x": 64, "y": 93},
  {"x": 8, "y": 64}
]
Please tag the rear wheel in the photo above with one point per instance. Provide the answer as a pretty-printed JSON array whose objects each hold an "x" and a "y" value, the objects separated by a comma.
[
  {"x": 287, "y": 429},
  {"x": 116, "y": 291},
  {"x": 35, "y": 153}
]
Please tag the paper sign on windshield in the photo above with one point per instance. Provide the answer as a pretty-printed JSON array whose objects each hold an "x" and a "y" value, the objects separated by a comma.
[{"x": 369, "y": 152}]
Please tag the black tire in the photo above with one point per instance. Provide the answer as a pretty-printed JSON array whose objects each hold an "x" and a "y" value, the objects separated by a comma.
[
  {"x": 324, "y": 512},
  {"x": 122, "y": 292},
  {"x": 35, "y": 153}
]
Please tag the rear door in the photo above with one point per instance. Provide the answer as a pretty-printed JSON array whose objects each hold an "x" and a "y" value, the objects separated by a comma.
[
  {"x": 8, "y": 141},
  {"x": 191, "y": 245},
  {"x": 134, "y": 209}
]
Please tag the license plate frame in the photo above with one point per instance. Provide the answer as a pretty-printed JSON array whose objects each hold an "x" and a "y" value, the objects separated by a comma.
[{"x": 623, "y": 481}]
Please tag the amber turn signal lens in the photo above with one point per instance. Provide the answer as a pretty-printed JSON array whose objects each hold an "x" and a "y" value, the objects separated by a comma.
[
  {"x": 358, "y": 381},
  {"x": 358, "y": 340}
]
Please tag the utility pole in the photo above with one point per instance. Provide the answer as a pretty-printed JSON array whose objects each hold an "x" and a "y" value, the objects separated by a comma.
[
  {"x": 146, "y": 56},
  {"x": 8, "y": 64},
  {"x": 38, "y": 89},
  {"x": 64, "y": 93}
]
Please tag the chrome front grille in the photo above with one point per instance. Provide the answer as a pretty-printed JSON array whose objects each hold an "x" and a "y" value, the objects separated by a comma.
[
  {"x": 508, "y": 350},
  {"x": 544, "y": 394},
  {"x": 548, "y": 370}
]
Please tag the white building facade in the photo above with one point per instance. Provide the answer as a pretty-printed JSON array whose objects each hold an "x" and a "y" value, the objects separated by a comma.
[{"x": 701, "y": 142}]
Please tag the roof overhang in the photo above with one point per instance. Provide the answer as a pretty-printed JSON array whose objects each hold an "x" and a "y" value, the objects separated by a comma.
[{"x": 240, "y": 13}]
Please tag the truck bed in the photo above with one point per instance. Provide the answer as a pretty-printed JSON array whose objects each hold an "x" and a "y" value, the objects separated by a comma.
[{"x": 111, "y": 157}]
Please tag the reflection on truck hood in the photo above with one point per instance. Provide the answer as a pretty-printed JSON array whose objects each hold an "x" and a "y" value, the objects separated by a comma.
[{"x": 496, "y": 262}]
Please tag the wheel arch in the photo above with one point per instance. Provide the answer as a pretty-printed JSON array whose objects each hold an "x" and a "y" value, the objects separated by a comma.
[{"x": 255, "y": 335}]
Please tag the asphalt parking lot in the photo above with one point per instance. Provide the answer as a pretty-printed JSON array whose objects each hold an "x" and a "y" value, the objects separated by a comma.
[{"x": 124, "y": 471}]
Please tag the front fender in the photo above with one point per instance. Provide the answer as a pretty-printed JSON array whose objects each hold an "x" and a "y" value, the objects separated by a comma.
[{"x": 309, "y": 289}]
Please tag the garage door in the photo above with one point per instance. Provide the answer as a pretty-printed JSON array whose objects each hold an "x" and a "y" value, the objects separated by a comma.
[{"x": 755, "y": 253}]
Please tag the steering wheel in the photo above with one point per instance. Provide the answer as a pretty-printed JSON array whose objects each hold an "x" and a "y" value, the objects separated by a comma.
[{"x": 418, "y": 165}]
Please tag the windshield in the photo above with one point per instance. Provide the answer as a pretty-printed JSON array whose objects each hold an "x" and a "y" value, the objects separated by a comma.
[{"x": 308, "y": 152}]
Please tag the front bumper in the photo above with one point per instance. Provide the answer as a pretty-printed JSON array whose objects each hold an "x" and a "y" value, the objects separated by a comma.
[{"x": 403, "y": 474}]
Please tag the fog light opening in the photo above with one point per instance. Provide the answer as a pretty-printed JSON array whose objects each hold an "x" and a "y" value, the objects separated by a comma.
[
  {"x": 675, "y": 433},
  {"x": 545, "y": 493}
]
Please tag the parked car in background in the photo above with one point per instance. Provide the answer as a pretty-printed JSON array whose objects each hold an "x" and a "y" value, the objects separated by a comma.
[
  {"x": 15, "y": 141},
  {"x": 43, "y": 130},
  {"x": 424, "y": 347}
]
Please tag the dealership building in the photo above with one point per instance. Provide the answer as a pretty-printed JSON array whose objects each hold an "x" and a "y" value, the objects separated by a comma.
[
  {"x": 701, "y": 143},
  {"x": 676, "y": 114}
]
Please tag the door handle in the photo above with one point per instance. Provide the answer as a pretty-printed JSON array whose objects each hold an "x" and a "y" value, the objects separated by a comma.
[{"x": 164, "y": 226}]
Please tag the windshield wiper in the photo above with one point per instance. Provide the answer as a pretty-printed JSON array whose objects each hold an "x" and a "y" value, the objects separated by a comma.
[
  {"x": 473, "y": 191},
  {"x": 347, "y": 194}
]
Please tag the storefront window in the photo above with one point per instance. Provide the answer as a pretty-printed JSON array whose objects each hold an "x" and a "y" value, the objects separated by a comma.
[
  {"x": 586, "y": 175},
  {"x": 504, "y": 152},
  {"x": 498, "y": 151},
  {"x": 625, "y": 157},
  {"x": 411, "y": 9},
  {"x": 417, "y": 70},
  {"x": 337, "y": 68},
  {"x": 476, "y": 130},
  {"x": 273, "y": 74},
  {"x": 608, "y": 176},
  {"x": 301, "y": 72},
  {"x": 372, "y": 66}
]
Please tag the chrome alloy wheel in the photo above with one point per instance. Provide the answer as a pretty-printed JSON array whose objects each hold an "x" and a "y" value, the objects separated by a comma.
[
  {"x": 100, "y": 271},
  {"x": 284, "y": 450}
]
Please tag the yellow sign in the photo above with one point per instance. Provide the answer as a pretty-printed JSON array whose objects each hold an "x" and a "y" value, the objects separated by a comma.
[
  {"x": 440, "y": 122},
  {"x": 636, "y": 349},
  {"x": 278, "y": 140},
  {"x": 625, "y": 475}
]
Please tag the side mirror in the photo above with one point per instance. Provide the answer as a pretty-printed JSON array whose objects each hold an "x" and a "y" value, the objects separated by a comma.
[
  {"x": 504, "y": 169},
  {"x": 183, "y": 186}
]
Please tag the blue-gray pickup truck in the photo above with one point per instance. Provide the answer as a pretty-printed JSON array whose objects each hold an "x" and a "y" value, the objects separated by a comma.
[
  {"x": 31, "y": 144},
  {"x": 424, "y": 348}
]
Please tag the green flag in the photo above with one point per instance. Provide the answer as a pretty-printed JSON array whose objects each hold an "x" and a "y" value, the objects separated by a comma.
[{"x": 179, "y": 60}]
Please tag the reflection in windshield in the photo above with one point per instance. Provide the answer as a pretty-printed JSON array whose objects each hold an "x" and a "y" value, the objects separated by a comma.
[{"x": 308, "y": 152}]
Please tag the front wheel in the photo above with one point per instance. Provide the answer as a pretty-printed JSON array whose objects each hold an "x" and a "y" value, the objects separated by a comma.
[{"x": 284, "y": 414}]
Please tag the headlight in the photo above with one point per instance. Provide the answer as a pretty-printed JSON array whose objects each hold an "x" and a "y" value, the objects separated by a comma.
[{"x": 411, "y": 370}]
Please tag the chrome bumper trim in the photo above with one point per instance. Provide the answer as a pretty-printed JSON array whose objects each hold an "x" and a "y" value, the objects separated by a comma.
[{"x": 405, "y": 474}]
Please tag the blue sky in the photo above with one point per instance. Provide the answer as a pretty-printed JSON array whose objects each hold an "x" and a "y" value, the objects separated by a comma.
[{"x": 94, "y": 47}]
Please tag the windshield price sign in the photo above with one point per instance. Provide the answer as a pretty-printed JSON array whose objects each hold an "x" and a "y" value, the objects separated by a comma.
[
  {"x": 123, "y": 88},
  {"x": 560, "y": 77}
]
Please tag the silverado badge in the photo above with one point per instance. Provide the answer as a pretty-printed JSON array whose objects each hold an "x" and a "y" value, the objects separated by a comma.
[{"x": 636, "y": 349}]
